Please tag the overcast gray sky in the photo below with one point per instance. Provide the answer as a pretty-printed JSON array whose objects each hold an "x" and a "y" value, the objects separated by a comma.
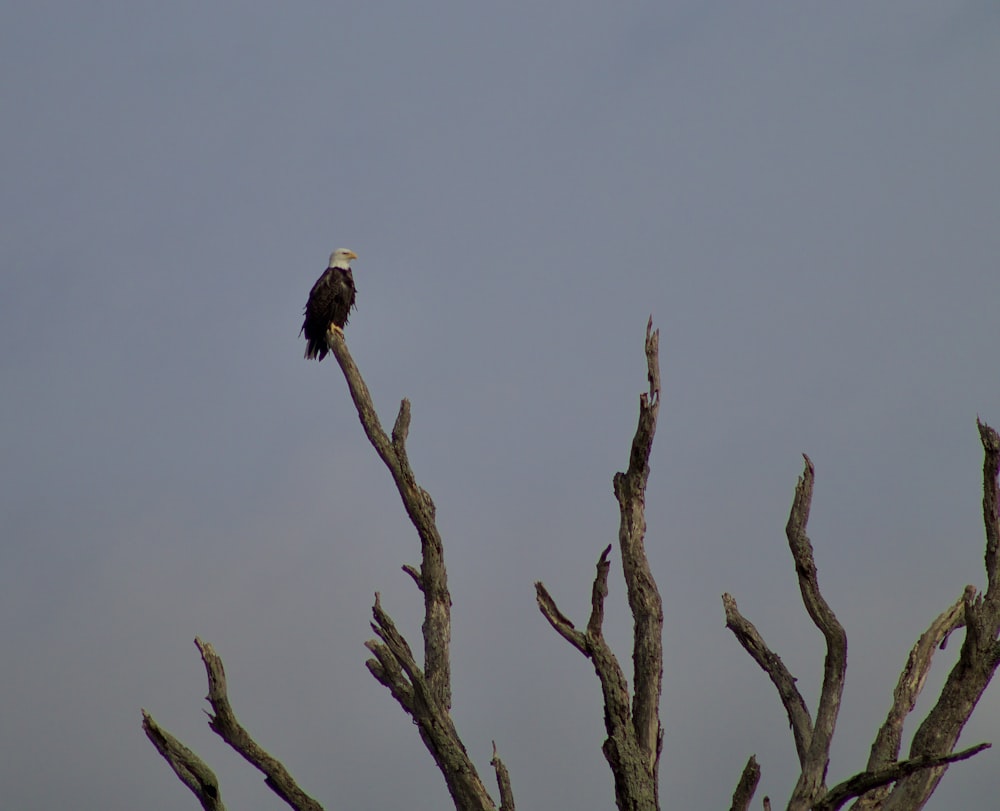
[{"x": 805, "y": 197}]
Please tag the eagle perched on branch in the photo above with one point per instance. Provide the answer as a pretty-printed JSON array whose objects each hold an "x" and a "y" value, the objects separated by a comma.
[{"x": 330, "y": 302}]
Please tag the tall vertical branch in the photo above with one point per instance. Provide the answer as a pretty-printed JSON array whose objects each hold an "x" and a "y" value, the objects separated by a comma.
[
  {"x": 635, "y": 736},
  {"x": 643, "y": 595},
  {"x": 812, "y": 779}
]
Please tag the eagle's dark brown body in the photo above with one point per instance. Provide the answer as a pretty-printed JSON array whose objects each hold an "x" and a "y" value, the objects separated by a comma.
[{"x": 330, "y": 302}]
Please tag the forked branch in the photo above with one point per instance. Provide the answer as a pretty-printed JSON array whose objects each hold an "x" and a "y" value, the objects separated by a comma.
[
  {"x": 432, "y": 579},
  {"x": 424, "y": 692},
  {"x": 977, "y": 659},
  {"x": 635, "y": 736}
]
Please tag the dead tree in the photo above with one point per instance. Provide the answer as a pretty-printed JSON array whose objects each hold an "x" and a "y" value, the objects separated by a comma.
[
  {"x": 887, "y": 782},
  {"x": 634, "y": 733}
]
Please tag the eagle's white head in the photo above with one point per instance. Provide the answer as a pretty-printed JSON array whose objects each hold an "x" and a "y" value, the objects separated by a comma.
[{"x": 341, "y": 258}]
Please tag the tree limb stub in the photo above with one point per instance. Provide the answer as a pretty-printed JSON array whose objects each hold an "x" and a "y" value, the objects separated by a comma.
[
  {"x": 225, "y": 725},
  {"x": 191, "y": 769},
  {"x": 745, "y": 789},
  {"x": 503, "y": 781}
]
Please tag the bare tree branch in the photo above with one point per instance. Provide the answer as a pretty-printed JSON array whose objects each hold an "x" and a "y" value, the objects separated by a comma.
[
  {"x": 635, "y": 736},
  {"x": 770, "y": 663},
  {"x": 885, "y": 749},
  {"x": 592, "y": 645},
  {"x": 643, "y": 595},
  {"x": 432, "y": 578},
  {"x": 397, "y": 669},
  {"x": 560, "y": 621},
  {"x": 842, "y": 793},
  {"x": 747, "y": 786},
  {"x": 225, "y": 725},
  {"x": 424, "y": 693},
  {"x": 191, "y": 769}
]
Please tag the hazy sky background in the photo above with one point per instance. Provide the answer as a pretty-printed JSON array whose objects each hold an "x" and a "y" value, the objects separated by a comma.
[{"x": 805, "y": 197}]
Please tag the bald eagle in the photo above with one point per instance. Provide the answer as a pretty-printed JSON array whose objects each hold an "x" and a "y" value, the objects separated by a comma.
[{"x": 330, "y": 302}]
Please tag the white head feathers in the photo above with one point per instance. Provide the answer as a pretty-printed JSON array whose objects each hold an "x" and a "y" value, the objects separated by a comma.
[{"x": 341, "y": 258}]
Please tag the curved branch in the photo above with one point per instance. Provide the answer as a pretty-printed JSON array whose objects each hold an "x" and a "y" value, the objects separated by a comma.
[
  {"x": 770, "y": 663},
  {"x": 811, "y": 783}
]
